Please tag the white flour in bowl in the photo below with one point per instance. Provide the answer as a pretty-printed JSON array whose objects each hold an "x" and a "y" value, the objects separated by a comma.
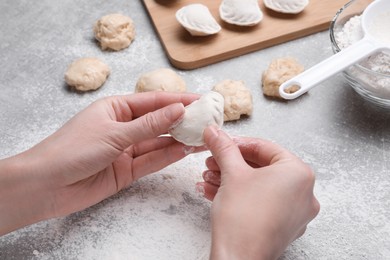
[
  {"x": 373, "y": 75},
  {"x": 352, "y": 32}
]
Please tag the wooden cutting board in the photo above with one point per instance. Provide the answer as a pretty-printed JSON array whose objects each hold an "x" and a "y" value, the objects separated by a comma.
[{"x": 188, "y": 52}]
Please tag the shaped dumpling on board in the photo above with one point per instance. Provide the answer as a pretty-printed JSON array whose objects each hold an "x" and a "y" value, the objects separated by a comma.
[
  {"x": 241, "y": 12},
  {"x": 286, "y": 6},
  {"x": 197, "y": 20}
]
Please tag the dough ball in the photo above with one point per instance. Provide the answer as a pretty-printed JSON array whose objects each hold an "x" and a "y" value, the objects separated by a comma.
[
  {"x": 160, "y": 80},
  {"x": 114, "y": 31},
  {"x": 279, "y": 71},
  {"x": 208, "y": 110},
  {"x": 87, "y": 74},
  {"x": 238, "y": 99}
]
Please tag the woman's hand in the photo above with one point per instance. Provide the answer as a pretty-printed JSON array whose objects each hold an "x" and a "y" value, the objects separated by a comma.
[
  {"x": 262, "y": 197},
  {"x": 101, "y": 150}
]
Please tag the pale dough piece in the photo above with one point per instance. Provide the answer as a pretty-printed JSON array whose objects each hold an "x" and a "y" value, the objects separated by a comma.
[
  {"x": 87, "y": 74},
  {"x": 286, "y": 6},
  {"x": 114, "y": 31},
  {"x": 160, "y": 80},
  {"x": 197, "y": 20},
  {"x": 238, "y": 99},
  {"x": 241, "y": 12},
  {"x": 279, "y": 71},
  {"x": 200, "y": 114}
]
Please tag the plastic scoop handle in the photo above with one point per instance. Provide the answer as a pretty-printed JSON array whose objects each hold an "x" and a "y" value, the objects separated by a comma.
[{"x": 323, "y": 70}]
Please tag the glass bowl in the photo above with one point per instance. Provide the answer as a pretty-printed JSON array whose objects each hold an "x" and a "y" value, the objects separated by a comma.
[{"x": 370, "y": 78}]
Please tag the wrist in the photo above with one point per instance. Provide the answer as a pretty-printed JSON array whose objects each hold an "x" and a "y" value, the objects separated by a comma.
[
  {"x": 234, "y": 240},
  {"x": 233, "y": 248},
  {"x": 23, "y": 195}
]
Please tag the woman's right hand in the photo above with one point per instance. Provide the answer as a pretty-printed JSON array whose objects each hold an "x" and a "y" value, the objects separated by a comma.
[{"x": 262, "y": 196}]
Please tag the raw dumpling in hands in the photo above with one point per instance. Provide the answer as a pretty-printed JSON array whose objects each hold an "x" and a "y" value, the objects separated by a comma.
[
  {"x": 286, "y": 6},
  {"x": 197, "y": 20},
  {"x": 200, "y": 114},
  {"x": 241, "y": 12}
]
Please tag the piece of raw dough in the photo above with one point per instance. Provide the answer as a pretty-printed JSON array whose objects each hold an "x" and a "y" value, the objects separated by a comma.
[
  {"x": 279, "y": 71},
  {"x": 160, "y": 80},
  {"x": 87, "y": 74},
  {"x": 197, "y": 20},
  {"x": 286, "y": 6},
  {"x": 114, "y": 31},
  {"x": 241, "y": 12},
  {"x": 238, "y": 99},
  {"x": 200, "y": 114}
]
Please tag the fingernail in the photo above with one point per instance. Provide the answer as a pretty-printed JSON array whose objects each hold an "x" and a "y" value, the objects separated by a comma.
[
  {"x": 177, "y": 116},
  {"x": 208, "y": 176},
  {"x": 200, "y": 188},
  {"x": 174, "y": 111},
  {"x": 212, "y": 177}
]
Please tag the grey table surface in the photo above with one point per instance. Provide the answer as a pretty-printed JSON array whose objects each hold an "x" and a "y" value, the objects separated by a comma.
[{"x": 345, "y": 140}]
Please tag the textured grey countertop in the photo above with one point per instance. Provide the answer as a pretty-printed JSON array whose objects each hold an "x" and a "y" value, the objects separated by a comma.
[{"x": 345, "y": 139}]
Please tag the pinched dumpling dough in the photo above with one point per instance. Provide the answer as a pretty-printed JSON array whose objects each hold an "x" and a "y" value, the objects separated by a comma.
[
  {"x": 240, "y": 12},
  {"x": 279, "y": 71},
  {"x": 238, "y": 99},
  {"x": 160, "y": 80},
  {"x": 200, "y": 114},
  {"x": 286, "y": 6},
  {"x": 87, "y": 74},
  {"x": 114, "y": 31},
  {"x": 197, "y": 20}
]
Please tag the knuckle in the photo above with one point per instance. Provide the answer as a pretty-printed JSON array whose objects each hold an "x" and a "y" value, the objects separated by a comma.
[
  {"x": 315, "y": 208},
  {"x": 307, "y": 182},
  {"x": 150, "y": 124},
  {"x": 301, "y": 232},
  {"x": 307, "y": 176},
  {"x": 225, "y": 148},
  {"x": 310, "y": 176}
]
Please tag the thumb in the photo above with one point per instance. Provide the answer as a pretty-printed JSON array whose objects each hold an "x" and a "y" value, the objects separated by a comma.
[
  {"x": 225, "y": 152},
  {"x": 151, "y": 125}
]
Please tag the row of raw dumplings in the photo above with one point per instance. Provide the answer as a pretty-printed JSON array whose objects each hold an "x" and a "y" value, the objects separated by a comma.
[{"x": 198, "y": 20}]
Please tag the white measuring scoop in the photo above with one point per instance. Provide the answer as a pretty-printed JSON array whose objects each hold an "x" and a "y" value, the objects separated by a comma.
[{"x": 376, "y": 28}]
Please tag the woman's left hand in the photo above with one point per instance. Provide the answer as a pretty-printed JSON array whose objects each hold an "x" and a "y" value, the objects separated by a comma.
[{"x": 100, "y": 151}]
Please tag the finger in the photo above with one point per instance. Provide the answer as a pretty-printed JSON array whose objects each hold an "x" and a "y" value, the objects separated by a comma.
[
  {"x": 224, "y": 150},
  {"x": 157, "y": 160},
  {"x": 159, "y": 143},
  {"x": 132, "y": 106},
  {"x": 261, "y": 152},
  {"x": 207, "y": 190},
  {"x": 211, "y": 164},
  {"x": 149, "y": 126},
  {"x": 212, "y": 177},
  {"x": 154, "y": 144}
]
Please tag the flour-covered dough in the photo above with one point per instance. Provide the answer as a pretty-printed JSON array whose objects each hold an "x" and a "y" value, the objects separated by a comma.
[
  {"x": 200, "y": 114},
  {"x": 114, "y": 31},
  {"x": 241, "y": 12},
  {"x": 286, "y": 6},
  {"x": 238, "y": 99},
  {"x": 163, "y": 79},
  {"x": 279, "y": 71},
  {"x": 87, "y": 74},
  {"x": 197, "y": 20}
]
